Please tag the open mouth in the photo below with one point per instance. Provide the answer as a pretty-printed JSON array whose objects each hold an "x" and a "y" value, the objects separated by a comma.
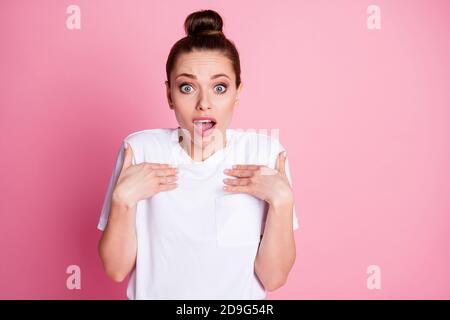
[{"x": 204, "y": 126}]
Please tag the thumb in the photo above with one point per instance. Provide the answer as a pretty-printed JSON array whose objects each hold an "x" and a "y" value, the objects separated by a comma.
[
  {"x": 127, "y": 162},
  {"x": 281, "y": 160}
]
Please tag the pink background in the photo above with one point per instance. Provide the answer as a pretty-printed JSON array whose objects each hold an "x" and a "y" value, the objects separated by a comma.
[{"x": 364, "y": 115}]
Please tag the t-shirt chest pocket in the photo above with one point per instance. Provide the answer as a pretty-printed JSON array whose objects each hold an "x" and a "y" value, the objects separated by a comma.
[{"x": 239, "y": 219}]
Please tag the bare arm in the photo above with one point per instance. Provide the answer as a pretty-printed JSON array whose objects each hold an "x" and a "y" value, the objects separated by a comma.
[
  {"x": 276, "y": 253},
  {"x": 118, "y": 244}
]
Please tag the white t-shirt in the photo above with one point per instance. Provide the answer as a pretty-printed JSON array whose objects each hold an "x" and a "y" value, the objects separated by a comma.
[{"x": 197, "y": 241}]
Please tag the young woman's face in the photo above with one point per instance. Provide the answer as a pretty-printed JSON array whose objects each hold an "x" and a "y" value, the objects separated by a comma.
[{"x": 203, "y": 84}]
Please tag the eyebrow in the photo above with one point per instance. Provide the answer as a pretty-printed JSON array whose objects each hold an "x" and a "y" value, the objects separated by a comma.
[{"x": 194, "y": 77}]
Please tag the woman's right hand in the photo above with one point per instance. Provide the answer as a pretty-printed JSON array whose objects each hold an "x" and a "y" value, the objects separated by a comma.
[{"x": 139, "y": 182}]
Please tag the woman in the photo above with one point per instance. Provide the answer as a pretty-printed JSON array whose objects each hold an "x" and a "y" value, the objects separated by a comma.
[{"x": 173, "y": 216}]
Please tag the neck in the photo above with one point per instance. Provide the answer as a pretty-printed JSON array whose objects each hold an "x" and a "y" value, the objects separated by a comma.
[{"x": 198, "y": 152}]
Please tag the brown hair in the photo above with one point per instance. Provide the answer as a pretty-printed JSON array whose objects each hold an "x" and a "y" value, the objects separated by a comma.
[{"x": 204, "y": 32}]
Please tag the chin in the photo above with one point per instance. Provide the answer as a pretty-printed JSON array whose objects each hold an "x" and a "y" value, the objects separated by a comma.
[{"x": 212, "y": 138}]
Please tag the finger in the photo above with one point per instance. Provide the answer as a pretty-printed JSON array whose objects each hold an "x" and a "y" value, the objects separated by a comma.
[
  {"x": 165, "y": 172},
  {"x": 167, "y": 179},
  {"x": 167, "y": 187},
  {"x": 281, "y": 162},
  {"x": 158, "y": 165},
  {"x": 243, "y": 189},
  {"x": 266, "y": 171},
  {"x": 247, "y": 166},
  {"x": 237, "y": 182},
  {"x": 127, "y": 162},
  {"x": 239, "y": 173}
]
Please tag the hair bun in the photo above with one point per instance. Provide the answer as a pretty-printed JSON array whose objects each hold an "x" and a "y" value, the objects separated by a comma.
[{"x": 205, "y": 22}]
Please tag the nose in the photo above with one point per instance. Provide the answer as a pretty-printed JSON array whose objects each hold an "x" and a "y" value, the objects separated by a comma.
[{"x": 203, "y": 102}]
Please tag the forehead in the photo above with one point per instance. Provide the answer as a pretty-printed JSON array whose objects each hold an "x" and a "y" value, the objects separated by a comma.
[{"x": 203, "y": 64}]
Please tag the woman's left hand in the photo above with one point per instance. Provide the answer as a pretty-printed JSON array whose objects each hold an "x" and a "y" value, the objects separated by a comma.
[{"x": 265, "y": 183}]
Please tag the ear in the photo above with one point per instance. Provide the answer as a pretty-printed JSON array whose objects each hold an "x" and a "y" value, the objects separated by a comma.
[
  {"x": 169, "y": 99},
  {"x": 240, "y": 88},
  {"x": 236, "y": 102}
]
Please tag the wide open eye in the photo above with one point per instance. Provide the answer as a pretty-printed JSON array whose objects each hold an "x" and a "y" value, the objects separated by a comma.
[
  {"x": 186, "y": 86},
  {"x": 222, "y": 88}
]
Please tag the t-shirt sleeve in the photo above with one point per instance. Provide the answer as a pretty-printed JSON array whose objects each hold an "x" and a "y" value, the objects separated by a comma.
[
  {"x": 279, "y": 148},
  {"x": 112, "y": 183}
]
